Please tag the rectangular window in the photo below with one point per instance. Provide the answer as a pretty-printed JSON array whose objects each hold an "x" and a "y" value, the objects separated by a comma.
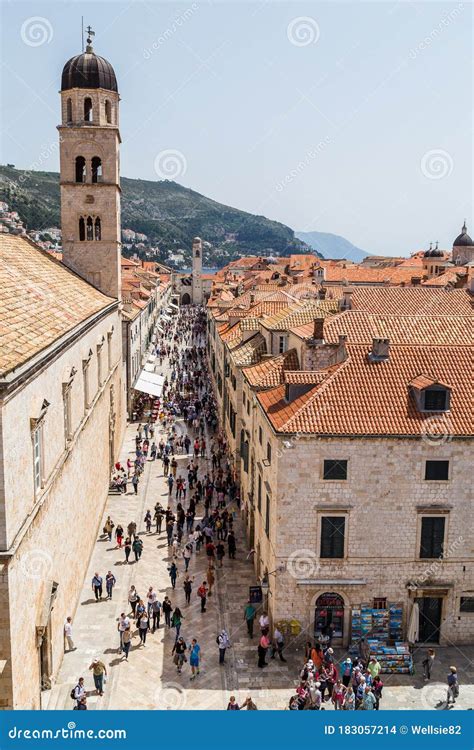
[
  {"x": 437, "y": 471},
  {"x": 67, "y": 414},
  {"x": 248, "y": 407},
  {"x": 244, "y": 397},
  {"x": 99, "y": 366},
  {"x": 281, "y": 344},
  {"x": 259, "y": 493},
  {"x": 467, "y": 604},
  {"x": 335, "y": 469},
  {"x": 380, "y": 602},
  {"x": 332, "y": 536},
  {"x": 269, "y": 453},
  {"x": 37, "y": 437},
  {"x": 432, "y": 536},
  {"x": 109, "y": 350},
  {"x": 86, "y": 386},
  {"x": 435, "y": 400},
  {"x": 267, "y": 516},
  {"x": 260, "y": 435}
]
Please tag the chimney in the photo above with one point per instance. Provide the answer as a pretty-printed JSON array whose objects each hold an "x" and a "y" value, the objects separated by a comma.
[
  {"x": 294, "y": 279},
  {"x": 346, "y": 301},
  {"x": 415, "y": 280},
  {"x": 380, "y": 351},
  {"x": 318, "y": 330},
  {"x": 322, "y": 292},
  {"x": 252, "y": 298}
]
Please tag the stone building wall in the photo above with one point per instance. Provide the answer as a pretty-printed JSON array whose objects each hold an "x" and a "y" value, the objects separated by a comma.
[{"x": 50, "y": 537}]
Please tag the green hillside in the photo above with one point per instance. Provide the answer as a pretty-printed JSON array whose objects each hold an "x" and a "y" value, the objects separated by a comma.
[{"x": 169, "y": 214}]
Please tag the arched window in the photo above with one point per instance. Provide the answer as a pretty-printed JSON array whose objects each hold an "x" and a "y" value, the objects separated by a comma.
[
  {"x": 80, "y": 169},
  {"x": 90, "y": 229},
  {"x": 197, "y": 254},
  {"x": 96, "y": 165},
  {"x": 82, "y": 229},
  {"x": 69, "y": 110},
  {"x": 108, "y": 112},
  {"x": 88, "y": 109},
  {"x": 97, "y": 229}
]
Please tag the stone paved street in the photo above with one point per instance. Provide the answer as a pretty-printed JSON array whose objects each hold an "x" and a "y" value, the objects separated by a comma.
[{"x": 149, "y": 680}]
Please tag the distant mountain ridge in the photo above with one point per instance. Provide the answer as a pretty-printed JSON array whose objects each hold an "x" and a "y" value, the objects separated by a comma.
[
  {"x": 332, "y": 246},
  {"x": 169, "y": 214}
]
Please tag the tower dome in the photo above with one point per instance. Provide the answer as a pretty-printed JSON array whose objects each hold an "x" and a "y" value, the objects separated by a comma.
[
  {"x": 88, "y": 71},
  {"x": 463, "y": 239}
]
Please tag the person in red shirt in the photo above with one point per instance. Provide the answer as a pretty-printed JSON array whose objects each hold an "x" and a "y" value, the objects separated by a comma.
[{"x": 263, "y": 645}]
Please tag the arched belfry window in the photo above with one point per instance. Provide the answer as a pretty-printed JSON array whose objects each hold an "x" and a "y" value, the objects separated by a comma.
[
  {"x": 197, "y": 254},
  {"x": 97, "y": 229},
  {"x": 80, "y": 169},
  {"x": 108, "y": 112},
  {"x": 89, "y": 228},
  {"x": 82, "y": 229},
  {"x": 69, "y": 110},
  {"x": 88, "y": 109},
  {"x": 96, "y": 165}
]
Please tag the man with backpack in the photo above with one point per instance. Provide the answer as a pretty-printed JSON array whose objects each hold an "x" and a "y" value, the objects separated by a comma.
[
  {"x": 223, "y": 642},
  {"x": 78, "y": 692}
]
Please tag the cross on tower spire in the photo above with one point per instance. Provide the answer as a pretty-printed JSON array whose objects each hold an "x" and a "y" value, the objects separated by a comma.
[{"x": 90, "y": 34}]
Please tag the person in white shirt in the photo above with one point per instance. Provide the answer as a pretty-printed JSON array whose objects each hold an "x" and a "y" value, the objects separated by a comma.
[
  {"x": 150, "y": 597},
  {"x": 123, "y": 624},
  {"x": 264, "y": 622},
  {"x": 68, "y": 634},
  {"x": 79, "y": 691}
]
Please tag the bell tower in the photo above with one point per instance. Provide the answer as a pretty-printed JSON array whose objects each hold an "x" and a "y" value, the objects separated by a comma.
[
  {"x": 197, "y": 271},
  {"x": 89, "y": 140}
]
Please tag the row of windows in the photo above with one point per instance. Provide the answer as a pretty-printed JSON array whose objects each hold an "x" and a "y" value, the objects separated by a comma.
[
  {"x": 89, "y": 228},
  {"x": 336, "y": 469},
  {"x": 88, "y": 114},
  {"x": 37, "y": 432},
  {"x": 333, "y": 532},
  {"x": 95, "y": 169}
]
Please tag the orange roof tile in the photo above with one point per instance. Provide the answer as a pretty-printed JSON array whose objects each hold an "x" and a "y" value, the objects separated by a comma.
[
  {"x": 367, "y": 398},
  {"x": 41, "y": 300},
  {"x": 412, "y": 300},
  {"x": 270, "y": 372}
]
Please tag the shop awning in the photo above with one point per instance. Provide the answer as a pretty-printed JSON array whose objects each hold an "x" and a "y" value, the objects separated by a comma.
[
  {"x": 172, "y": 304},
  {"x": 160, "y": 329},
  {"x": 165, "y": 317},
  {"x": 150, "y": 383},
  {"x": 149, "y": 367}
]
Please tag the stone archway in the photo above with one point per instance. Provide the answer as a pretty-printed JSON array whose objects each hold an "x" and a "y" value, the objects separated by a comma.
[
  {"x": 319, "y": 599},
  {"x": 186, "y": 299}
]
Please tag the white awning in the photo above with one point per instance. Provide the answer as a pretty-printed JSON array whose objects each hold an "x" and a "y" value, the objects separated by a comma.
[
  {"x": 165, "y": 317},
  {"x": 160, "y": 329},
  {"x": 149, "y": 382},
  {"x": 172, "y": 304},
  {"x": 149, "y": 367}
]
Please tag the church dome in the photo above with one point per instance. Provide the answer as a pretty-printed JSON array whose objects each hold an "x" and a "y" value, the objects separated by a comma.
[
  {"x": 463, "y": 239},
  {"x": 433, "y": 252},
  {"x": 88, "y": 71}
]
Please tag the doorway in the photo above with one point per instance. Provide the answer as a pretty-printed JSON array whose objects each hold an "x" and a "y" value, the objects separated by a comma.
[
  {"x": 185, "y": 299},
  {"x": 430, "y": 619},
  {"x": 329, "y": 616}
]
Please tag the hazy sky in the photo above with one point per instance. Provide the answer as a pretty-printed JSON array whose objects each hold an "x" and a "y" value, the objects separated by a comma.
[{"x": 352, "y": 118}]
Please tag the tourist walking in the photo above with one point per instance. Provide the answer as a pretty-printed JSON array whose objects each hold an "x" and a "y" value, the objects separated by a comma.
[
  {"x": 99, "y": 673},
  {"x": 179, "y": 653},
  {"x": 127, "y": 548},
  {"x": 167, "y": 609},
  {"x": 68, "y": 634},
  {"x": 143, "y": 626},
  {"x": 97, "y": 586},
  {"x": 173, "y": 574},
  {"x": 126, "y": 642},
  {"x": 278, "y": 644},
  {"x": 223, "y": 642},
  {"x": 428, "y": 664},
  {"x": 188, "y": 587},
  {"x": 78, "y": 691},
  {"x": 263, "y": 645},
  {"x": 122, "y": 625},
  {"x": 202, "y": 593},
  {"x": 249, "y": 617},
  {"x": 110, "y": 582},
  {"x": 453, "y": 685},
  {"x": 194, "y": 658},
  {"x": 137, "y": 547},
  {"x": 176, "y": 620}
]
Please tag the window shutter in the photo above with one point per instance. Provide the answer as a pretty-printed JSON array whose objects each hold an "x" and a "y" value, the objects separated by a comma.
[
  {"x": 332, "y": 536},
  {"x": 432, "y": 537}
]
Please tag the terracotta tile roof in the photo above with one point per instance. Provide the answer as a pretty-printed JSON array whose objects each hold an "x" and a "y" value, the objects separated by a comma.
[
  {"x": 300, "y": 314},
  {"x": 412, "y": 300},
  {"x": 270, "y": 372},
  {"x": 306, "y": 377},
  {"x": 374, "y": 398},
  {"x": 451, "y": 276},
  {"x": 424, "y": 381},
  {"x": 361, "y": 327},
  {"x": 250, "y": 324},
  {"x": 355, "y": 274},
  {"x": 303, "y": 262},
  {"x": 41, "y": 300},
  {"x": 250, "y": 352}
]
